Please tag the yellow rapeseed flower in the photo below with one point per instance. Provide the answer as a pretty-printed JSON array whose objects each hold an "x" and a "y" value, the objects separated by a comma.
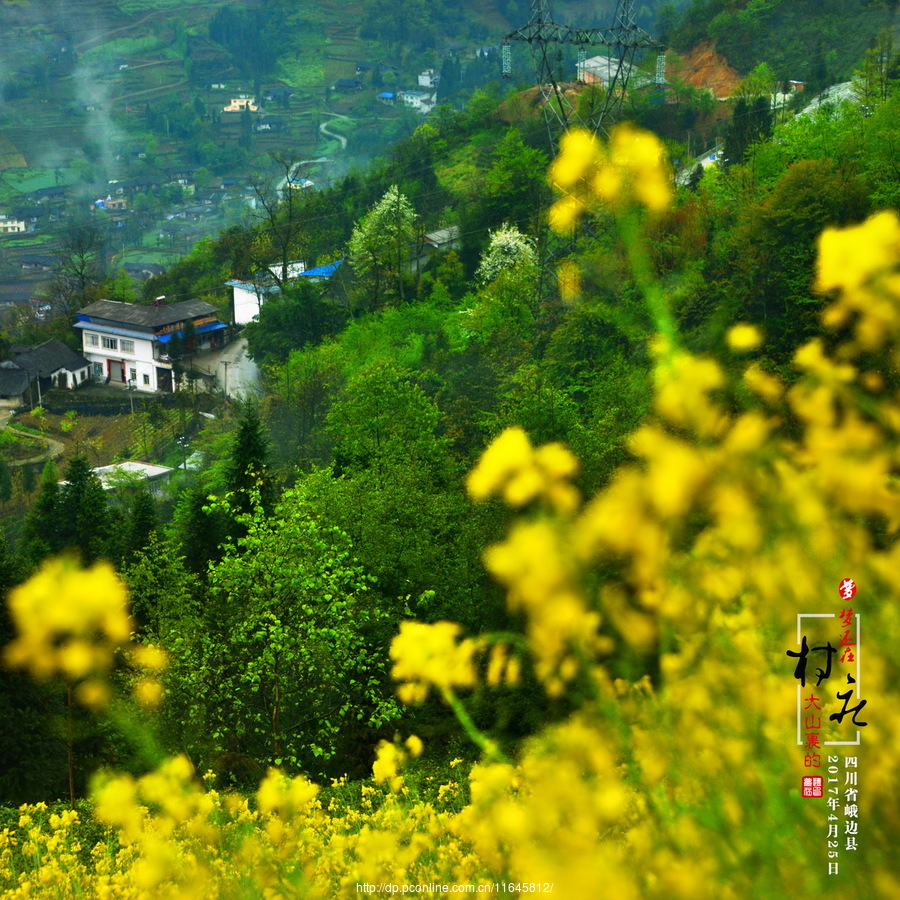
[
  {"x": 512, "y": 467},
  {"x": 69, "y": 620},
  {"x": 850, "y": 257},
  {"x": 744, "y": 337},
  {"x": 428, "y": 655},
  {"x": 632, "y": 168}
]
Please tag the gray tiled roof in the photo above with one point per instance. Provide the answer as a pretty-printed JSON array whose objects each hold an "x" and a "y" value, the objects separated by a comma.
[
  {"x": 113, "y": 311},
  {"x": 50, "y": 357},
  {"x": 13, "y": 380}
]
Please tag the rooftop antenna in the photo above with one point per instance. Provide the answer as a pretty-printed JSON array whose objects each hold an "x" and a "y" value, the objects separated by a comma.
[{"x": 622, "y": 40}]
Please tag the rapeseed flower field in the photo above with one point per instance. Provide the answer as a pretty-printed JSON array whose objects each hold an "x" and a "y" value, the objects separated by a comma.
[{"x": 749, "y": 502}]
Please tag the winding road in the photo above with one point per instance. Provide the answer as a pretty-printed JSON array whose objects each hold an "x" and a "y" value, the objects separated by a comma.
[
  {"x": 326, "y": 131},
  {"x": 54, "y": 448}
]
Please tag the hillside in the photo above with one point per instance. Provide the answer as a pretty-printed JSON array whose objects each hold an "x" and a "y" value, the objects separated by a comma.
[{"x": 818, "y": 42}]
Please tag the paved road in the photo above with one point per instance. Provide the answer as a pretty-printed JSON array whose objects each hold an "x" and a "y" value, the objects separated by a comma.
[
  {"x": 235, "y": 372},
  {"x": 333, "y": 134}
]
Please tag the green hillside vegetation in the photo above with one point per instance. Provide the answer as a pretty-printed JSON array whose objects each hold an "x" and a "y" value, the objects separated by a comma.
[
  {"x": 816, "y": 41},
  {"x": 548, "y": 500}
]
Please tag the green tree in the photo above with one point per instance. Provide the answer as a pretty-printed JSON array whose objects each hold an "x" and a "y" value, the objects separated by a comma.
[
  {"x": 84, "y": 522},
  {"x": 301, "y": 317},
  {"x": 5, "y": 481},
  {"x": 751, "y": 121},
  {"x": 880, "y": 69},
  {"x": 290, "y": 667},
  {"x": 381, "y": 242},
  {"x": 41, "y": 534},
  {"x": 143, "y": 522},
  {"x": 199, "y": 529},
  {"x": 29, "y": 482},
  {"x": 248, "y": 470}
]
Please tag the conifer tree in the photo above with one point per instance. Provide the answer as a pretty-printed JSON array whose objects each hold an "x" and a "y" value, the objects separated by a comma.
[
  {"x": 249, "y": 468},
  {"x": 5, "y": 481},
  {"x": 143, "y": 522},
  {"x": 84, "y": 520},
  {"x": 41, "y": 535}
]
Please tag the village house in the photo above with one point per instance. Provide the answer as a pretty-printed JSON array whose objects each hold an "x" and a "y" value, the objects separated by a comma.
[
  {"x": 127, "y": 343},
  {"x": 9, "y": 225},
  {"x": 443, "y": 239},
  {"x": 421, "y": 101},
  {"x": 248, "y": 297},
  {"x": 239, "y": 104},
  {"x": 347, "y": 86},
  {"x": 428, "y": 79},
  {"x": 35, "y": 369},
  {"x": 152, "y": 476},
  {"x": 601, "y": 70}
]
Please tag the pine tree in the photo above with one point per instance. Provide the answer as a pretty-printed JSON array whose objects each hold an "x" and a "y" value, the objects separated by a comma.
[
  {"x": 41, "y": 534},
  {"x": 143, "y": 522},
  {"x": 249, "y": 468},
  {"x": 84, "y": 521},
  {"x": 199, "y": 531}
]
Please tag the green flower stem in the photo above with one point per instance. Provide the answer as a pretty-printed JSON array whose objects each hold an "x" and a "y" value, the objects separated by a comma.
[
  {"x": 654, "y": 296},
  {"x": 488, "y": 747}
]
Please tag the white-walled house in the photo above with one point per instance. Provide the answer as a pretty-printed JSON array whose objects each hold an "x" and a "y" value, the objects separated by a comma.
[
  {"x": 248, "y": 297},
  {"x": 128, "y": 342}
]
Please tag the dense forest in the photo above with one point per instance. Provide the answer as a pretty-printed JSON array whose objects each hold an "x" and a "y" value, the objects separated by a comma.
[{"x": 498, "y": 578}]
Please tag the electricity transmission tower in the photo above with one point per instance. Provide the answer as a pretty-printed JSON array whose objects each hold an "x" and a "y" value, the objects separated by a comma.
[{"x": 622, "y": 40}]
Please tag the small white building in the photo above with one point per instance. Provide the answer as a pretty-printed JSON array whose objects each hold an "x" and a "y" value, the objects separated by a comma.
[
  {"x": 428, "y": 79},
  {"x": 127, "y": 343},
  {"x": 11, "y": 226},
  {"x": 248, "y": 298},
  {"x": 113, "y": 476},
  {"x": 421, "y": 101},
  {"x": 239, "y": 104}
]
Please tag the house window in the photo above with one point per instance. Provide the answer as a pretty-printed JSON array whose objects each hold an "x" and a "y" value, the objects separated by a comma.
[
  {"x": 128, "y": 346},
  {"x": 132, "y": 375},
  {"x": 110, "y": 343},
  {"x": 147, "y": 379},
  {"x": 81, "y": 375},
  {"x": 98, "y": 370},
  {"x": 92, "y": 340}
]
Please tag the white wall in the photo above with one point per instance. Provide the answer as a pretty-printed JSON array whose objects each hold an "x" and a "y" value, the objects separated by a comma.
[{"x": 138, "y": 361}]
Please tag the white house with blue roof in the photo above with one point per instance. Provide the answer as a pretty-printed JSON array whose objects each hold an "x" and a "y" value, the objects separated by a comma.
[
  {"x": 127, "y": 343},
  {"x": 248, "y": 297}
]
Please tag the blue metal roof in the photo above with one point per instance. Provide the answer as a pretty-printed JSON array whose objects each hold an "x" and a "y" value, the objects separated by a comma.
[{"x": 325, "y": 271}]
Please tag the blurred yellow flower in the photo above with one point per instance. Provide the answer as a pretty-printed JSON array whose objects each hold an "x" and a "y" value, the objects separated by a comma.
[
  {"x": 632, "y": 168},
  {"x": 849, "y": 257},
  {"x": 148, "y": 692},
  {"x": 743, "y": 337},
  {"x": 70, "y": 621},
  {"x": 429, "y": 655},
  {"x": 511, "y": 466}
]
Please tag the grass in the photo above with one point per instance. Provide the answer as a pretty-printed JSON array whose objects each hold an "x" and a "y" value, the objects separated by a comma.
[
  {"x": 26, "y": 180},
  {"x": 125, "y": 46}
]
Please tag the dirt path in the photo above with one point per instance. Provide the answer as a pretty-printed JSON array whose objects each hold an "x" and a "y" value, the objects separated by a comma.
[
  {"x": 54, "y": 448},
  {"x": 164, "y": 88},
  {"x": 101, "y": 38}
]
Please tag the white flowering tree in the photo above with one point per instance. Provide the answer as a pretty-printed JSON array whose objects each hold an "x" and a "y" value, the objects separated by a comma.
[
  {"x": 380, "y": 243},
  {"x": 507, "y": 249}
]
